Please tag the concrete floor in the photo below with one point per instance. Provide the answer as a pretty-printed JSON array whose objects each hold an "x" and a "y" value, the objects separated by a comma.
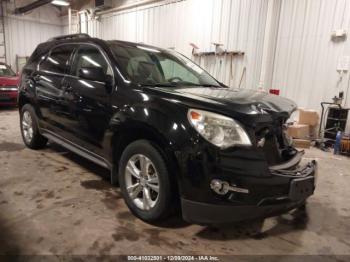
[{"x": 54, "y": 202}]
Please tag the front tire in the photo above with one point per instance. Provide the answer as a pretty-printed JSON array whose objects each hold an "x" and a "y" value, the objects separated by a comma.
[
  {"x": 29, "y": 128},
  {"x": 145, "y": 182}
]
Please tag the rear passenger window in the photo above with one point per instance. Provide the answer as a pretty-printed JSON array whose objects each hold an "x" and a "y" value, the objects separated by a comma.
[{"x": 57, "y": 61}]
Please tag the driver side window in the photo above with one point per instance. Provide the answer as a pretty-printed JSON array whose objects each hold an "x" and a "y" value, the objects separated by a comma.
[{"x": 90, "y": 57}]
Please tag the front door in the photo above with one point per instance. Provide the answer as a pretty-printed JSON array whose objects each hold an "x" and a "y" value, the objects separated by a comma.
[{"x": 89, "y": 99}]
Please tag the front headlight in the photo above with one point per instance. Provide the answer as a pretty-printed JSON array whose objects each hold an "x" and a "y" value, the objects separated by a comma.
[{"x": 219, "y": 130}]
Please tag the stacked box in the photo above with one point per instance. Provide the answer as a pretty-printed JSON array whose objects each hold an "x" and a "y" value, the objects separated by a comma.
[
  {"x": 305, "y": 129},
  {"x": 299, "y": 131},
  {"x": 308, "y": 117},
  {"x": 302, "y": 143}
]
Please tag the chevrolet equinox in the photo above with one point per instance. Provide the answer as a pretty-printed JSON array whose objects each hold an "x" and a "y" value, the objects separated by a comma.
[{"x": 170, "y": 134}]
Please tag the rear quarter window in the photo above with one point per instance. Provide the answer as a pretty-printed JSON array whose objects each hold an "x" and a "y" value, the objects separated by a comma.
[
  {"x": 57, "y": 60},
  {"x": 37, "y": 56}
]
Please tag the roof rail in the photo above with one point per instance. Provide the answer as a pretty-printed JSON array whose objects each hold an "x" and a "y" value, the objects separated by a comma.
[{"x": 72, "y": 36}]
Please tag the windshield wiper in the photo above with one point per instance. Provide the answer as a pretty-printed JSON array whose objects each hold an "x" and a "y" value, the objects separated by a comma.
[
  {"x": 185, "y": 83},
  {"x": 157, "y": 84},
  {"x": 176, "y": 84},
  {"x": 211, "y": 86}
]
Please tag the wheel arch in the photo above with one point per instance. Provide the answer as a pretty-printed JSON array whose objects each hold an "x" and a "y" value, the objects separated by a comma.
[
  {"x": 141, "y": 131},
  {"x": 23, "y": 100}
]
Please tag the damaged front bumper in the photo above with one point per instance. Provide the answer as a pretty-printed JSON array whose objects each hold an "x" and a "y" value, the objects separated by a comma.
[{"x": 286, "y": 187}]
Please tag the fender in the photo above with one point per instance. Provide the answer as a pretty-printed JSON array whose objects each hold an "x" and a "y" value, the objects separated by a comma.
[
  {"x": 146, "y": 122},
  {"x": 149, "y": 121}
]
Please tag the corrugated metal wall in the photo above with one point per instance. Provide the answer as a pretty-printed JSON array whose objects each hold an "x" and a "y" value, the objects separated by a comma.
[
  {"x": 75, "y": 26},
  {"x": 22, "y": 37},
  {"x": 237, "y": 24},
  {"x": 304, "y": 61},
  {"x": 306, "y": 58},
  {"x": 24, "y": 33}
]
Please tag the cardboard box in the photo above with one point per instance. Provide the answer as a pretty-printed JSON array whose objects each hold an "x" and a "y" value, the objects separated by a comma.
[
  {"x": 301, "y": 143},
  {"x": 299, "y": 131},
  {"x": 308, "y": 117},
  {"x": 313, "y": 132}
]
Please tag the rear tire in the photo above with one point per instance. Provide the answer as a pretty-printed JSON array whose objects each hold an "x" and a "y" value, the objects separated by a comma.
[
  {"x": 145, "y": 182},
  {"x": 29, "y": 128}
]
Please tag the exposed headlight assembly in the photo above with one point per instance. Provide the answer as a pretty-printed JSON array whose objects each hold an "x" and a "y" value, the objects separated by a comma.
[{"x": 219, "y": 130}]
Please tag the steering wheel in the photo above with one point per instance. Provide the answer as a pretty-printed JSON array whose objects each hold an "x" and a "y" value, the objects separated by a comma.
[{"x": 175, "y": 78}]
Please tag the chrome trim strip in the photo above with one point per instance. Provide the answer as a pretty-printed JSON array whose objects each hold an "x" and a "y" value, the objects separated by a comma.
[{"x": 14, "y": 88}]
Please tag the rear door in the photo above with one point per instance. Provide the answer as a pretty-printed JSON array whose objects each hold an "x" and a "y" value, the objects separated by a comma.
[
  {"x": 49, "y": 89},
  {"x": 89, "y": 100}
]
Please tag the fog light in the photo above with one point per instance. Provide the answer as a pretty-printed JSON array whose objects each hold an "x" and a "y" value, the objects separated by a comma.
[{"x": 222, "y": 187}]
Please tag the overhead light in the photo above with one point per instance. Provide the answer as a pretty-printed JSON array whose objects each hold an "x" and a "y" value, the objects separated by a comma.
[{"x": 60, "y": 3}]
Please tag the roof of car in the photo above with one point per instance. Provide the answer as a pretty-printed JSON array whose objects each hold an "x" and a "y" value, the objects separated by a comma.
[
  {"x": 86, "y": 38},
  {"x": 133, "y": 44},
  {"x": 43, "y": 48}
]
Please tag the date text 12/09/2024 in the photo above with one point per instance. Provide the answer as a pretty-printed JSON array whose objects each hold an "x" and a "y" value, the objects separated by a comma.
[{"x": 173, "y": 258}]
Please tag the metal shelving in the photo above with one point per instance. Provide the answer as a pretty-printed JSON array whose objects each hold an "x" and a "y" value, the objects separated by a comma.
[{"x": 336, "y": 121}]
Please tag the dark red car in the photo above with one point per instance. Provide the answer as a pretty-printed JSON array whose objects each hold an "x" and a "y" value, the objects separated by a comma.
[{"x": 9, "y": 81}]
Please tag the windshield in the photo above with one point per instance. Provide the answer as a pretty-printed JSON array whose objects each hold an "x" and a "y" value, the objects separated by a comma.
[
  {"x": 153, "y": 67},
  {"x": 6, "y": 71}
]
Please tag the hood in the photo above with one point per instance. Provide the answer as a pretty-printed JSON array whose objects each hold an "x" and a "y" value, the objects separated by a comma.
[
  {"x": 9, "y": 80},
  {"x": 245, "y": 104}
]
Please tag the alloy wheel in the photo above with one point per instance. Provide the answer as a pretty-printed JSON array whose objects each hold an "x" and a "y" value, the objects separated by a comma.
[
  {"x": 142, "y": 182},
  {"x": 27, "y": 127}
]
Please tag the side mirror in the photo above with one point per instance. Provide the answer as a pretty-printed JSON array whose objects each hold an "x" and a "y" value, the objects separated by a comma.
[{"x": 93, "y": 74}]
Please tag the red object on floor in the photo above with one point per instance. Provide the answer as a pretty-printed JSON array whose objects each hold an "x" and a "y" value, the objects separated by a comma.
[{"x": 275, "y": 92}]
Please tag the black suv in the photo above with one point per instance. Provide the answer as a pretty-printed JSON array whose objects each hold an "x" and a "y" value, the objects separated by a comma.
[{"x": 170, "y": 134}]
